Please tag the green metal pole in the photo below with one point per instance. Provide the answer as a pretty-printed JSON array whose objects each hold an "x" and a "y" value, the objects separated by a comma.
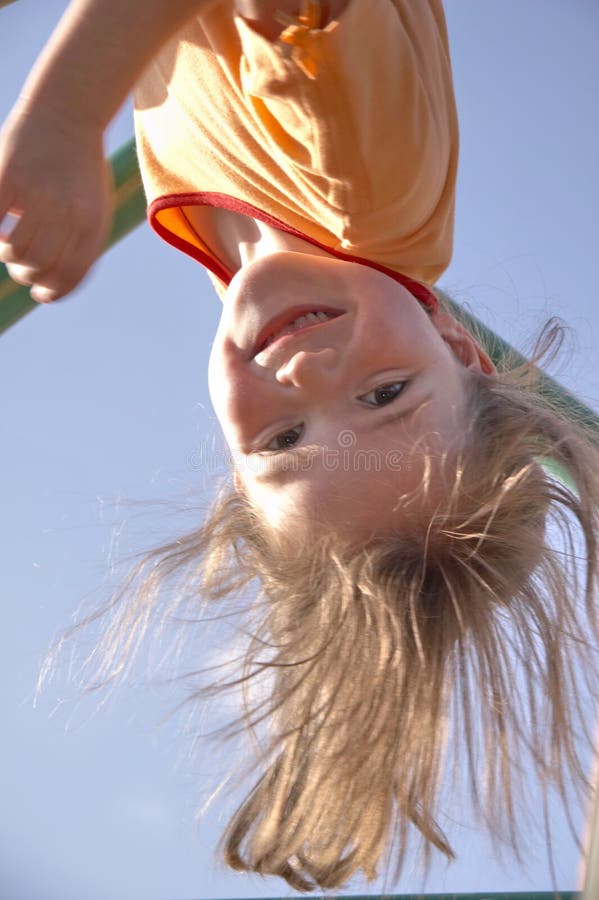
[
  {"x": 15, "y": 301},
  {"x": 130, "y": 211},
  {"x": 498, "y": 350}
]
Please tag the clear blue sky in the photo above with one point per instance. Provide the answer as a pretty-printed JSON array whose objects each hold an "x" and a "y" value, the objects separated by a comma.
[{"x": 104, "y": 402}]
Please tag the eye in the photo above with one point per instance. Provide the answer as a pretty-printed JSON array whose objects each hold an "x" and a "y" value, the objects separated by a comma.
[
  {"x": 284, "y": 439},
  {"x": 384, "y": 394}
]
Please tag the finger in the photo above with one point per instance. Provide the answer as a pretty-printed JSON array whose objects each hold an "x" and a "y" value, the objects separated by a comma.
[
  {"x": 64, "y": 275},
  {"x": 46, "y": 280},
  {"x": 26, "y": 276},
  {"x": 14, "y": 247},
  {"x": 21, "y": 274},
  {"x": 80, "y": 251},
  {"x": 45, "y": 248},
  {"x": 43, "y": 295}
]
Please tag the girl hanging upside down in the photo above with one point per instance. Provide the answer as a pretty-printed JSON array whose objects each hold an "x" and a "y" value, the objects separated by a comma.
[{"x": 387, "y": 489}]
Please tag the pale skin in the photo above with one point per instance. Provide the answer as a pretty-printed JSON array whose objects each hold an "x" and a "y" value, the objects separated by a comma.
[
  {"x": 383, "y": 353},
  {"x": 307, "y": 419}
]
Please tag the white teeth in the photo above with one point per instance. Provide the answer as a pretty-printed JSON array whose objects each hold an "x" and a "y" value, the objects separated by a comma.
[{"x": 301, "y": 322}]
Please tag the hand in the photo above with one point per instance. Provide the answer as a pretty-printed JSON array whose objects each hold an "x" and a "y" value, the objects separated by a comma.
[{"x": 55, "y": 181}]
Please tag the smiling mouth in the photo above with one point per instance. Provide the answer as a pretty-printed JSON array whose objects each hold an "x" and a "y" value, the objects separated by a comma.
[{"x": 291, "y": 323}]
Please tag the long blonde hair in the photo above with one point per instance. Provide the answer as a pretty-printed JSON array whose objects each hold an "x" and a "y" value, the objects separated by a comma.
[{"x": 466, "y": 644}]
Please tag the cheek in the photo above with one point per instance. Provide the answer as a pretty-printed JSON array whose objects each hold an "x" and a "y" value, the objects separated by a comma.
[
  {"x": 234, "y": 395},
  {"x": 396, "y": 326},
  {"x": 395, "y": 345},
  {"x": 215, "y": 375},
  {"x": 222, "y": 385}
]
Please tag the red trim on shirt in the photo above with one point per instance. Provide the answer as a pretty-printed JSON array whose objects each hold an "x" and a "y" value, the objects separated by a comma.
[{"x": 202, "y": 198}]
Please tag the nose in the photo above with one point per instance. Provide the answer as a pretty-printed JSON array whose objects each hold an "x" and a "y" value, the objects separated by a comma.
[{"x": 309, "y": 369}]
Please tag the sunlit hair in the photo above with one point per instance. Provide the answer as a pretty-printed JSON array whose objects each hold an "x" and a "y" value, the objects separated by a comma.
[{"x": 404, "y": 667}]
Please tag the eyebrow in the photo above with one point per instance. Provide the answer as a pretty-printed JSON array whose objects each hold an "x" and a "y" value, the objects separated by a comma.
[{"x": 282, "y": 467}]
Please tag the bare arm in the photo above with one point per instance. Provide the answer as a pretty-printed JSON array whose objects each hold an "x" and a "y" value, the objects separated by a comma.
[
  {"x": 53, "y": 176},
  {"x": 97, "y": 52}
]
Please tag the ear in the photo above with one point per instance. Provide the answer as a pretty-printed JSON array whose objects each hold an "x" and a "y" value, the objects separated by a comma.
[{"x": 468, "y": 351}]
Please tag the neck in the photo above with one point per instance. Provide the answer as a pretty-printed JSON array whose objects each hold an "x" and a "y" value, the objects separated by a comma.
[
  {"x": 238, "y": 239},
  {"x": 259, "y": 239}
]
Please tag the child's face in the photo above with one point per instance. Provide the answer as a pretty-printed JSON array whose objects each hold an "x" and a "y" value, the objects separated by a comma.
[{"x": 333, "y": 422}]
